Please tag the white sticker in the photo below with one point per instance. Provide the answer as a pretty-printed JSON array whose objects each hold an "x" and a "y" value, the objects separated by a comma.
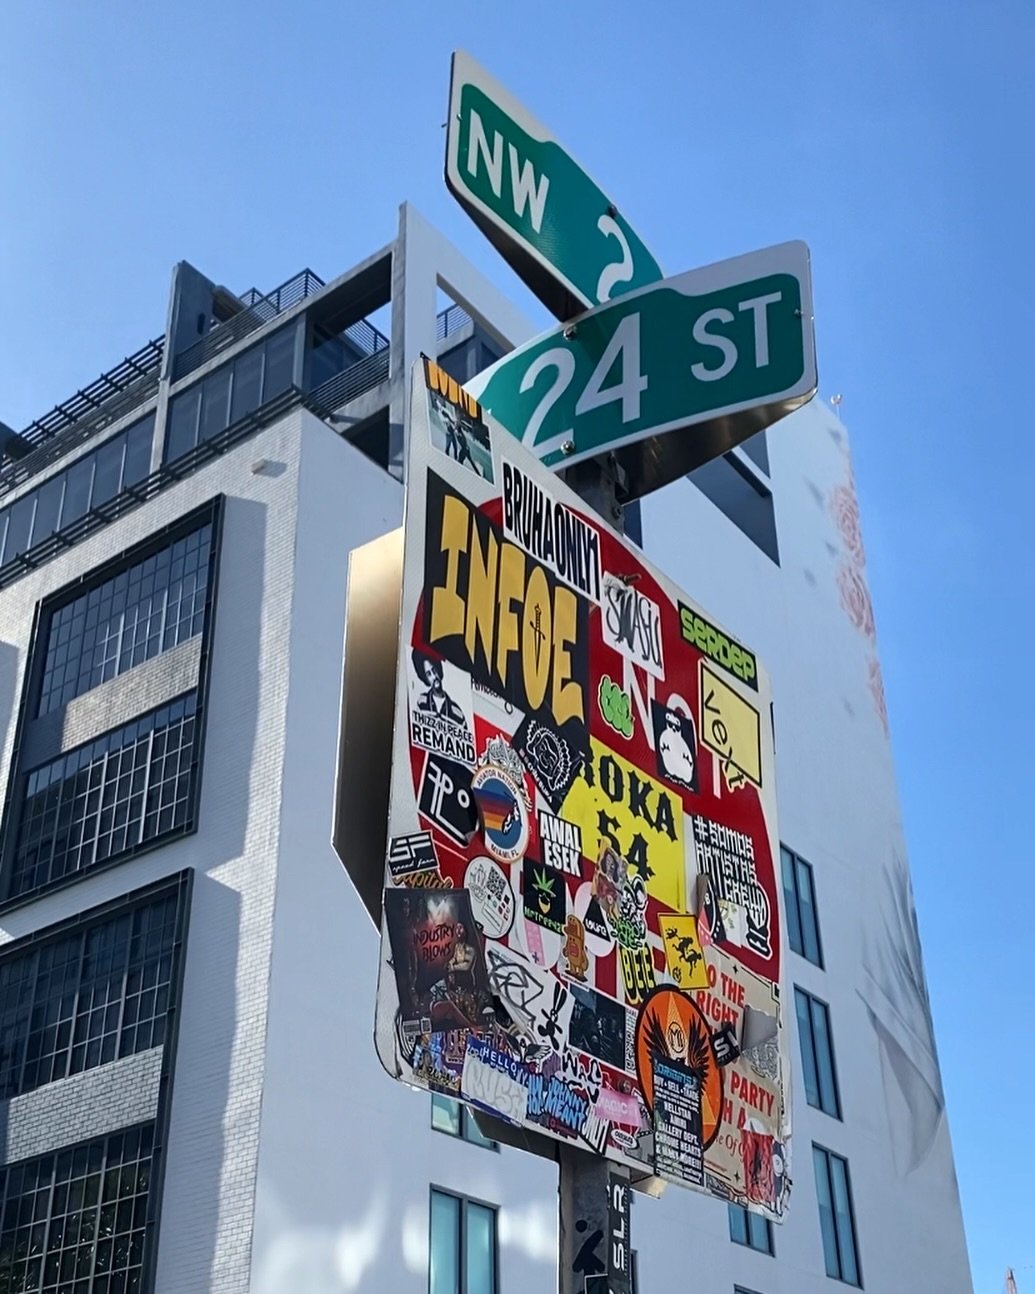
[{"x": 492, "y": 899}]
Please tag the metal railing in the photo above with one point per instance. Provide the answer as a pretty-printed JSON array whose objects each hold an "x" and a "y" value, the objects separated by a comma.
[
  {"x": 111, "y": 397},
  {"x": 169, "y": 473},
  {"x": 357, "y": 378},
  {"x": 259, "y": 310},
  {"x": 450, "y": 320},
  {"x": 304, "y": 284},
  {"x": 365, "y": 337}
]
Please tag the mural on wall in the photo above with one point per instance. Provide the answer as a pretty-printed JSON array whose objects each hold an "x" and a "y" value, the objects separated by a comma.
[
  {"x": 582, "y": 922},
  {"x": 893, "y": 988}
]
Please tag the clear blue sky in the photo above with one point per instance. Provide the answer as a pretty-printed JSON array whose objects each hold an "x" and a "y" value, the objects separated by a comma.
[{"x": 895, "y": 138}]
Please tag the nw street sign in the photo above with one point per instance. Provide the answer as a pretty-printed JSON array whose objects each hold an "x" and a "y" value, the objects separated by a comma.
[
  {"x": 669, "y": 376},
  {"x": 534, "y": 203}
]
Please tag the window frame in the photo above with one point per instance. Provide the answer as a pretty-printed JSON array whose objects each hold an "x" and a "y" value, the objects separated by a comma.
[
  {"x": 467, "y": 1128},
  {"x": 199, "y": 392},
  {"x": 211, "y": 512},
  {"x": 63, "y": 1187},
  {"x": 740, "y": 1210},
  {"x": 464, "y": 1202},
  {"x": 177, "y": 887},
  {"x": 828, "y": 1155},
  {"x": 60, "y": 479},
  {"x": 798, "y": 861},
  {"x": 812, "y": 1001}
]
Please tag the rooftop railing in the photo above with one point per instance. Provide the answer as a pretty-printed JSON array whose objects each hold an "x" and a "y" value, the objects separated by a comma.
[
  {"x": 259, "y": 310},
  {"x": 357, "y": 378},
  {"x": 451, "y": 320},
  {"x": 113, "y": 395}
]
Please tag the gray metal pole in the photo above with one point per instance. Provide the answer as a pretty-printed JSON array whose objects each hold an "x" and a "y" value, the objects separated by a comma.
[{"x": 584, "y": 1248}]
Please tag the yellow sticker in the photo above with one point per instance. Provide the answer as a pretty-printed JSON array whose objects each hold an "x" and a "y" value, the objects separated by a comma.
[
  {"x": 616, "y": 803},
  {"x": 732, "y": 729},
  {"x": 683, "y": 950}
]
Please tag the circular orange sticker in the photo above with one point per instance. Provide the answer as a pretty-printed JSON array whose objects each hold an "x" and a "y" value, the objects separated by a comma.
[{"x": 672, "y": 1028}]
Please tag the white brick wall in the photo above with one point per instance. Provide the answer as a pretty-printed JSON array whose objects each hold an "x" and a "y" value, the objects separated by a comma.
[{"x": 85, "y": 1105}]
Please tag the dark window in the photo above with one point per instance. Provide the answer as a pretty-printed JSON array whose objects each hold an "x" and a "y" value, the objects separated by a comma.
[
  {"x": 138, "y": 453},
  {"x": 456, "y": 1119},
  {"x": 48, "y": 509},
  {"x": 247, "y": 394},
  {"x": 751, "y": 1229},
  {"x": 88, "y": 483},
  {"x": 86, "y": 997},
  {"x": 230, "y": 393},
  {"x": 145, "y": 609},
  {"x": 131, "y": 786},
  {"x": 799, "y": 900},
  {"x": 78, "y": 484},
  {"x": 817, "y": 1053},
  {"x": 107, "y": 478},
  {"x": 737, "y": 492},
  {"x": 75, "y": 1220},
  {"x": 463, "y": 1256},
  {"x": 19, "y": 527},
  {"x": 470, "y": 357},
  {"x": 836, "y": 1220},
  {"x": 181, "y": 433}
]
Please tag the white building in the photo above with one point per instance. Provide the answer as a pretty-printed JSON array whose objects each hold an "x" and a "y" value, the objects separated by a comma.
[{"x": 189, "y": 1095}]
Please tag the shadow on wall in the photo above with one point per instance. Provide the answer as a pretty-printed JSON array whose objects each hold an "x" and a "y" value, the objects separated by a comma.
[
  {"x": 8, "y": 689},
  {"x": 214, "y": 1108},
  {"x": 200, "y": 1133}
]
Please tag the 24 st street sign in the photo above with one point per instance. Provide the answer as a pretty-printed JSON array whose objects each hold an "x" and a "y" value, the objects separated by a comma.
[
  {"x": 534, "y": 203},
  {"x": 725, "y": 350}
]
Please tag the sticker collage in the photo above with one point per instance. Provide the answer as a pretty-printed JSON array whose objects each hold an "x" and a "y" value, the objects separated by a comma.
[{"x": 581, "y": 931}]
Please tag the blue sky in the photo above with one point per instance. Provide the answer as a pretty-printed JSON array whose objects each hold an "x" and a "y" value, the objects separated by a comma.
[{"x": 894, "y": 138}]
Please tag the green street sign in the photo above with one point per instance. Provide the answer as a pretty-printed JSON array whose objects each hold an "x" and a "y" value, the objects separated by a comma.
[
  {"x": 534, "y": 203},
  {"x": 669, "y": 376}
]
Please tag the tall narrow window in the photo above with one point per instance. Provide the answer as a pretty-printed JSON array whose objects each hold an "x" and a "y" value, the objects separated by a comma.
[
  {"x": 817, "y": 1053},
  {"x": 463, "y": 1257},
  {"x": 800, "y": 905},
  {"x": 751, "y": 1229},
  {"x": 836, "y": 1218}
]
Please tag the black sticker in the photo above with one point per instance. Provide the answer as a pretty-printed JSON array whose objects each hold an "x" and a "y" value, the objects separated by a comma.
[
  {"x": 619, "y": 1253},
  {"x": 552, "y": 760},
  {"x": 598, "y": 1026},
  {"x": 594, "y": 921},
  {"x": 445, "y": 797},
  {"x": 675, "y": 745},
  {"x": 678, "y": 1148},
  {"x": 724, "y": 1044},
  {"x": 413, "y": 853}
]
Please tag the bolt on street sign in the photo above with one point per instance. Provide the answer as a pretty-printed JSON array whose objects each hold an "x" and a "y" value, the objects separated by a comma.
[
  {"x": 539, "y": 209},
  {"x": 716, "y": 354}
]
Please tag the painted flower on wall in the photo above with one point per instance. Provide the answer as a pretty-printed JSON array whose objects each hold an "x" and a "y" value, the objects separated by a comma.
[
  {"x": 855, "y": 599},
  {"x": 877, "y": 691},
  {"x": 844, "y": 508}
]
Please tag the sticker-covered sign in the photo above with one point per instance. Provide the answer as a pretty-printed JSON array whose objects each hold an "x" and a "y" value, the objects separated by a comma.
[{"x": 581, "y": 928}]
